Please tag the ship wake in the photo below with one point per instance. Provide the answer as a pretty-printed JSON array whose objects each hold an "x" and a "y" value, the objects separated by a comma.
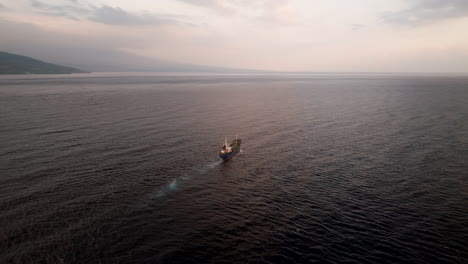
[{"x": 175, "y": 183}]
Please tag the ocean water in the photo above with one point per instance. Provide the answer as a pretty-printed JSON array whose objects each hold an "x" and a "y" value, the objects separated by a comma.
[{"x": 333, "y": 169}]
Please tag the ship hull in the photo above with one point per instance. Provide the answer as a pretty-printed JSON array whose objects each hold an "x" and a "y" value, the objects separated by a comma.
[
  {"x": 227, "y": 153},
  {"x": 230, "y": 155}
]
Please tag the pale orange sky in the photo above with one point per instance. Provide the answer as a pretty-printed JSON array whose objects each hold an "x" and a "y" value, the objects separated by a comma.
[{"x": 282, "y": 35}]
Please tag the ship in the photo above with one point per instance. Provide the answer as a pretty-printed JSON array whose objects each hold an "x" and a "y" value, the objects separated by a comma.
[{"x": 227, "y": 152}]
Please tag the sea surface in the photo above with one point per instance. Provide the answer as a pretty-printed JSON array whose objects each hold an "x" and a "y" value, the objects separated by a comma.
[{"x": 334, "y": 168}]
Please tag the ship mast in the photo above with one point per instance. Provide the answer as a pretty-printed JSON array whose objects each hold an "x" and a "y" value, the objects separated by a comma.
[{"x": 225, "y": 142}]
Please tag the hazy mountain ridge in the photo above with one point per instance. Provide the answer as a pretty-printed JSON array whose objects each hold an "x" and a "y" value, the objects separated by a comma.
[
  {"x": 108, "y": 60},
  {"x": 18, "y": 64},
  {"x": 99, "y": 60}
]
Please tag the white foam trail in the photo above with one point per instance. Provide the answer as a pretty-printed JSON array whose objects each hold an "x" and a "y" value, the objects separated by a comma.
[
  {"x": 173, "y": 185},
  {"x": 176, "y": 182},
  {"x": 214, "y": 164}
]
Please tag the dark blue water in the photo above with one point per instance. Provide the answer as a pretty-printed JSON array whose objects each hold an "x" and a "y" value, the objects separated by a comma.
[{"x": 333, "y": 169}]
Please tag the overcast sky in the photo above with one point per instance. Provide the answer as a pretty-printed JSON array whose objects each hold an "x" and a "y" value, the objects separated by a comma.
[{"x": 284, "y": 35}]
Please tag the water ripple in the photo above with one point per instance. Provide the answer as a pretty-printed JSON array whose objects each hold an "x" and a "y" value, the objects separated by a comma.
[{"x": 333, "y": 169}]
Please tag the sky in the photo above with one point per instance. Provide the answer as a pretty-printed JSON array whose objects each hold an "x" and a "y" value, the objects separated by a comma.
[{"x": 276, "y": 35}]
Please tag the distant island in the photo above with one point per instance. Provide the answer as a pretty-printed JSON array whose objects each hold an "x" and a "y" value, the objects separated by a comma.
[{"x": 17, "y": 64}]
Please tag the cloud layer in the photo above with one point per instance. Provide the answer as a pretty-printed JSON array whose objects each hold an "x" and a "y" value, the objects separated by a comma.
[
  {"x": 236, "y": 6},
  {"x": 118, "y": 16},
  {"x": 428, "y": 11},
  {"x": 284, "y": 35},
  {"x": 105, "y": 14}
]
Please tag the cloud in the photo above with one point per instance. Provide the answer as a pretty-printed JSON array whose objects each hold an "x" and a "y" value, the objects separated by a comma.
[
  {"x": 54, "y": 9},
  {"x": 67, "y": 11},
  {"x": 105, "y": 14},
  {"x": 264, "y": 12},
  {"x": 117, "y": 16},
  {"x": 357, "y": 27},
  {"x": 428, "y": 11},
  {"x": 2, "y": 6},
  {"x": 218, "y": 5},
  {"x": 60, "y": 14},
  {"x": 38, "y": 4},
  {"x": 236, "y": 6}
]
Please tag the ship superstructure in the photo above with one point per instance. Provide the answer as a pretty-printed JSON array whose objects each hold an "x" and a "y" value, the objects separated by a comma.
[{"x": 228, "y": 151}]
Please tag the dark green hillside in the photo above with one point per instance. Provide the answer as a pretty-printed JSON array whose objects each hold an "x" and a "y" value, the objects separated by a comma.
[{"x": 17, "y": 64}]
